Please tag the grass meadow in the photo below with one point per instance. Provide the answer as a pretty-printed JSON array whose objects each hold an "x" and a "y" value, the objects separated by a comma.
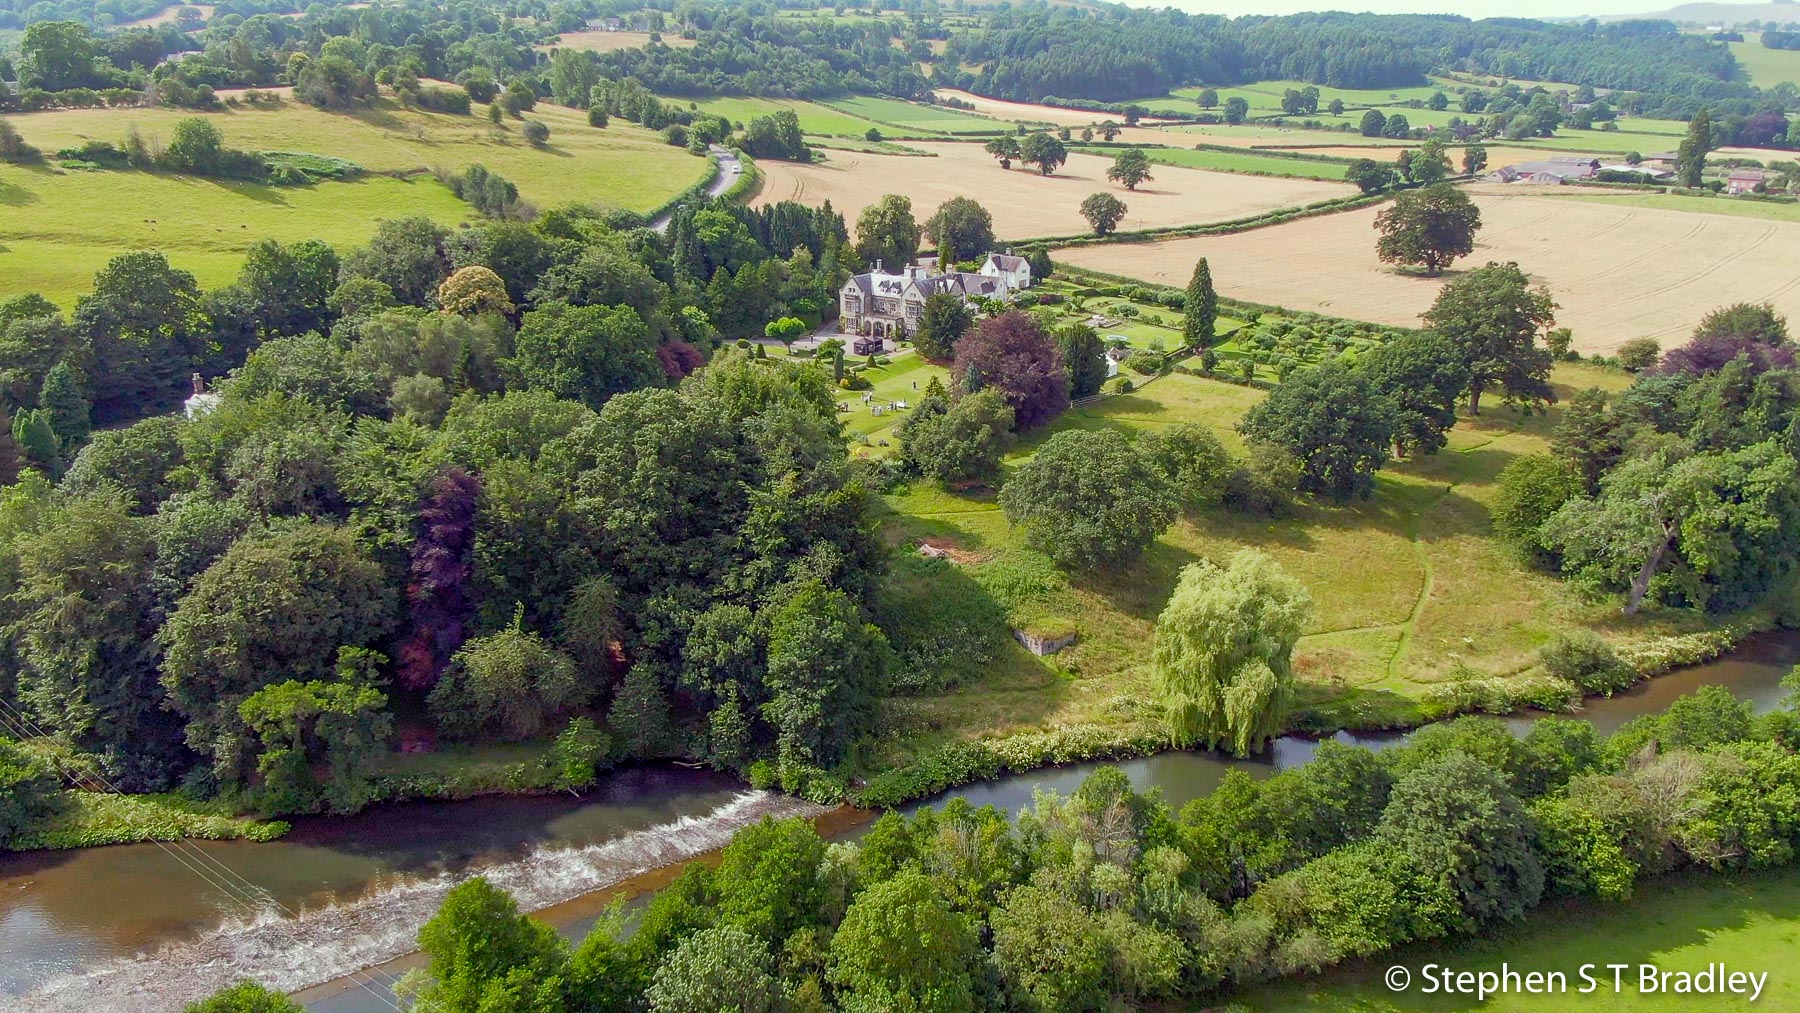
[
  {"x": 1411, "y": 589},
  {"x": 1234, "y": 161},
  {"x": 912, "y": 116},
  {"x": 1764, "y": 66},
  {"x": 1747, "y": 921},
  {"x": 1265, "y": 96},
  {"x": 58, "y": 227},
  {"x": 814, "y": 118},
  {"x": 622, "y": 165}
]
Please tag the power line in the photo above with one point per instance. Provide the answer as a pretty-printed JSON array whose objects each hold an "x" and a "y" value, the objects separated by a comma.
[{"x": 252, "y": 894}]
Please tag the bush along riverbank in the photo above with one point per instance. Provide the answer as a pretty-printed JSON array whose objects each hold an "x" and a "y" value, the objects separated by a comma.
[
  {"x": 1111, "y": 898},
  {"x": 1575, "y": 667},
  {"x": 1592, "y": 672}
]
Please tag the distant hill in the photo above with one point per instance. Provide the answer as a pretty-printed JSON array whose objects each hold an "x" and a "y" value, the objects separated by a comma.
[{"x": 1719, "y": 13}]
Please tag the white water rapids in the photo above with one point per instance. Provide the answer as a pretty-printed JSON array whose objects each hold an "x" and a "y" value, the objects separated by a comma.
[{"x": 325, "y": 943}]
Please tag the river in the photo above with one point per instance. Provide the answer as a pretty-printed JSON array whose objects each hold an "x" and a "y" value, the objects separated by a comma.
[{"x": 109, "y": 928}]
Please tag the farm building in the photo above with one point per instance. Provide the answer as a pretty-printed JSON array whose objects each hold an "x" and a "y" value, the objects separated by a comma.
[
  {"x": 886, "y": 305},
  {"x": 1554, "y": 170},
  {"x": 1645, "y": 170},
  {"x": 1743, "y": 181}
]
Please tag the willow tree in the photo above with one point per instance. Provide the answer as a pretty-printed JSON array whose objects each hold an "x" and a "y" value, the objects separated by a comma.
[{"x": 1224, "y": 648}]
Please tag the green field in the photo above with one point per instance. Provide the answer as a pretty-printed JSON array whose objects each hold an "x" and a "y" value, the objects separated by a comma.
[
  {"x": 814, "y": 118},
  {"x": 1643, "y": 136},
  {"x": 58, "y": 227},
  {"x": 852, "y": 117},
  {"x": 1265, "y": 96},
  {"x": 1271, "y": 135},
  {"x": 1411, "y": 587},
  {"x": 622, "y": 165},
  {"x": 907, "y": 115},
  {"x": 1764, "y": 66},
  {"x": 1234, "y": 161},
  {"x": 1767, "y": 210},
  {"x": 1749, "y": 922}
]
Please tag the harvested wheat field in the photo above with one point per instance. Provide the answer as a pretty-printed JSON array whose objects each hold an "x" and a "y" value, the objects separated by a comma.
[
  {"x": 1025, "y": 204},
  {"x": 601, "y": 41},
  {"x": 1617, "y": 272}
]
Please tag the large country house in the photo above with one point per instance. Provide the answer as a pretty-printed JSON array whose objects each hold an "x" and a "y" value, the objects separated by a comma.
[{"x": 883, "y": 305}]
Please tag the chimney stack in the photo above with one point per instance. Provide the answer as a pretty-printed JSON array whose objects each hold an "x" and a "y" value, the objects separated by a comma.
[{"x": 199, "y": 384}]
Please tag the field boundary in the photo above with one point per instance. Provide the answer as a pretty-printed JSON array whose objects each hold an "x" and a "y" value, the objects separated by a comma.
[{"x": 1250, "y": 223}]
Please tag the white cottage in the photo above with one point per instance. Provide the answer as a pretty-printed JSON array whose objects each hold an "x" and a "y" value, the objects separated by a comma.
[{"x": 1016, "y": 270}]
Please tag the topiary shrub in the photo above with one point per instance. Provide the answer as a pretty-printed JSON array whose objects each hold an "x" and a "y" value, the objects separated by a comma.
[{"x": 1145, "y": 362}]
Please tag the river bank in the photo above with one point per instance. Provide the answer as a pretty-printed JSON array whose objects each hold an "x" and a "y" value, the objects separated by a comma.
[{"x": 129, "y": 921}]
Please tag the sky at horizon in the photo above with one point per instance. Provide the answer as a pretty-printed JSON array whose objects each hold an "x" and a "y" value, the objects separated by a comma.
[{"x": 1469, "y": 8}]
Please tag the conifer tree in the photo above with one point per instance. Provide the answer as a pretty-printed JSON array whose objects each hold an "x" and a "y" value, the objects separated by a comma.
[
  {"x": 61, "y": 397},
  {"x": 32, "y": 431},
  {"x": 1201, "y": 311}
]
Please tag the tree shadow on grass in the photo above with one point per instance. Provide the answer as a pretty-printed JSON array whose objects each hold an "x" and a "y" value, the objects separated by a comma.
[
  {"x": 255, "y": 192},
  {"x": 380, "y": 118},
  {"x": 1142, "y": 588},
  {"x": 15, "y": 196},
  {"x": 1218, "y": 522}
]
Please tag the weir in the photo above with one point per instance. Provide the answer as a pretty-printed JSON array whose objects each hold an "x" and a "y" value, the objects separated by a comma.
[{"x": 79, "y": 938}]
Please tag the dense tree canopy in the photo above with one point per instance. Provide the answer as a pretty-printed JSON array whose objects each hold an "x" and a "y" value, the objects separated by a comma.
[{"x": 1089, "y": 500}]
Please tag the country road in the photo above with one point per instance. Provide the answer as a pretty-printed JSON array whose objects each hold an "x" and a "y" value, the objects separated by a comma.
[{"x": 729, "y": 170}]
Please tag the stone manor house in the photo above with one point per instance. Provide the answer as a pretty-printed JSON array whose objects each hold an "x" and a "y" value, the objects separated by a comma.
[{"x": 883, "y": 305}]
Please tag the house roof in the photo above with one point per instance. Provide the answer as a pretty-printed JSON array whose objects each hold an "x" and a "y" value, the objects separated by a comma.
[
  {"x": 880, "y": 283},
  {"x": 1006, "y": 262},
  {"x": 1552, "y": 168},
  {"x": 875, "y": 283},
  {"x": 959, "y": 282}
]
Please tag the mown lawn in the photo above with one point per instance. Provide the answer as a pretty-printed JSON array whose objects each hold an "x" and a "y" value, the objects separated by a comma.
[
  {"x": 1234, "y": 161},
  {"x": 57, "y": 227},
  {"x": 1410, "y": 586},
  {"x": 903, "y": 379},
  {"x": 622, "y": 165},
  {"x": 1749, "y": 922}
]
